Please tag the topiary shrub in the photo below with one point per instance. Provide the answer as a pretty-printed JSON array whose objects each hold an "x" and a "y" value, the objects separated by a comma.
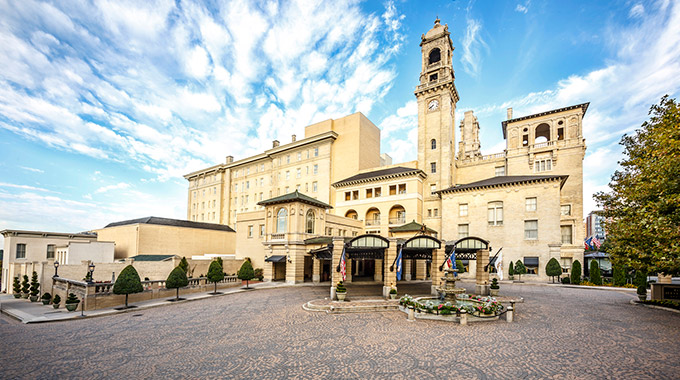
[
  {"x": 494, "y": 284},
  {"x": 71, "y": 299},
  {"x": 511, "y": 271},
  {"x": 460, "y": 266},
  {"x": 576, "y": 272},
  {"x": 641, "y": 282},
  {"x": 35, "y": 285},
  {"x": 619, "y": 276},
  {"x": 215, "y": 273},
  {"x": 128, "y": 282},
  {"x": 566, "y": 280},
  {"x": 246, "y": 272},
  {"x": 553, "y": 269},
  {"x": 177, "y": 279},
  {"x": 520, "y": 269},
  {"x": 595, "y": 275},
  {"x": 184, "y": 264},
  {"x": 25, "y": 287},
  {"x": 56, "y": 301},
  {"x": 46, "y": 298},
  {"x": 259, "y": 274},
  {"x": 16, "y": 287}
]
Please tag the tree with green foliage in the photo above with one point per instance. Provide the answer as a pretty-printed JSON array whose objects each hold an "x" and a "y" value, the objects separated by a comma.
[
  {"x": 16, "y": 287},
  {"x": 128, "y": 282},
  {"x": 184, "y": 264},
  {"x": 511, "y": 270},
  {"x": 576, "y": 272},
  {"x": 25, "y": 287},
  {"x": 642, "y": 210},
  {"x": 619, "y": 275},
  {"x": 35, "y": 285},
  {"x": 595, "y": 275},
  {"x": 219, "y": 260},
  {"x": 520, "y": 269},
  {"x": 215, "y": 273},
  {"x": 553, "y": 269},
  {"x": 177, "y": 279},
  {"x": 460, "y": 266},
  {"x": 246, "y": 272}
]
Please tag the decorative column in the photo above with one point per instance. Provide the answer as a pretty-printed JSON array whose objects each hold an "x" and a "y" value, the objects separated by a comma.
[
  {"x": 437, "y": 260},
  {"x": 338, "y": 244},
  {"x": 407, "y": 270},
  {"x": 390, "y": 277},
  {"x": 377, "y": 275},
  {"x": 316, "y": 270},
  {"x": 482, "y": 284},
  {"x": 350, "y": 269}
]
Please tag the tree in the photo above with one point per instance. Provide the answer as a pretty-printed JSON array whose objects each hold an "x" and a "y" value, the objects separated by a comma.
[
  {"x": 511, "y": 270},
  {"x": 215, "y": 273},
  {"x": 184, "y": 264},
  {"x": 460, "y": 266},
  {"x": 16, "y": 287},
  {"x": 246, "y": 272},
  {"x": 25, "y": 285},
  {"x": 520, "y": 269},
  {"x": 619, "y": 275},
  {"x": 642, "y": 210},
  {"x": 35, "y": 285},
  {"x": 576, "y": 272},
  {"x": 177, "y": 279},
  {"x": 595, "y": 275},
  {"x": 128, "y": 282},
  {"x": 553, "y": 268},
  {"x": 219, "y": 260}
]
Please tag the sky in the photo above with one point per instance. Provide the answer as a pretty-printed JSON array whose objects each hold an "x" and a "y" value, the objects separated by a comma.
[{"x": 105, "y": 105}]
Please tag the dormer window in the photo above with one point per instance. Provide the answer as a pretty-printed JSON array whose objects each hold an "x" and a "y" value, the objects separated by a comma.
[{"x": 435, "y": 56}]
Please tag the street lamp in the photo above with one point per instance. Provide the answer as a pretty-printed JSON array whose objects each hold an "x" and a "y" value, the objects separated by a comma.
[
  {"x": 56, "y": 266},
  {"x": 91, "y": 270}
]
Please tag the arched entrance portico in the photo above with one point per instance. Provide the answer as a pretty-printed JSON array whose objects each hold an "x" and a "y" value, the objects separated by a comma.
[
  {"x": 417, "y": 248},
  {"x": 368, "y": 251},
  {"x": 471, "y": 248}
]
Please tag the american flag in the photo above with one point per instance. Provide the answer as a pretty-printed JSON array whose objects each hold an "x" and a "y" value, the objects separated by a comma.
[
  {"x": 343, "y": 265},
  {"x": 597, "y": 242}
]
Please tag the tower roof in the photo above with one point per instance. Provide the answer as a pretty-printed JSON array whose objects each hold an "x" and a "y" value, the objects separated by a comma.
[{"x": 436, "y": 30}]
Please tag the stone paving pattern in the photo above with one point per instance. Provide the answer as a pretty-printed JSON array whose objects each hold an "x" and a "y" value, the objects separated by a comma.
[{"x": 559, "y": 333}]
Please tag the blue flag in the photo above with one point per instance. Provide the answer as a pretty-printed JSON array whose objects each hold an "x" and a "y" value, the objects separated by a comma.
[
  {"x": 399, "y": 265},
  {"x": 452, "y": 260}
]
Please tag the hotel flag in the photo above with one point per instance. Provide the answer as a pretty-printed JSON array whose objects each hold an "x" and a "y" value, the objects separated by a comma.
[
  {"x": 588, "y": 243},
  {"x": 451, "y": 261},
  {"x": 343, "y": 265},
  {"x": 499, "y": 265},
  {"x": 399, "y": 260}
]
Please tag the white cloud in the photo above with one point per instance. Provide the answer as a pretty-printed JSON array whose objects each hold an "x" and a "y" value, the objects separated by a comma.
[
  {"x": 24, "y": 187},
  {"x": 638, "y": 10},
  {"x": 118, "y": 186},
  {"x": 523, "y": 8},
  {"x": 34, "y": 170},
  {"x": 473, "y": 47}
]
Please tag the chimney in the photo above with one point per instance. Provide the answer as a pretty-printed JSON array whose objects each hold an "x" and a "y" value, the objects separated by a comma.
[
  {"x": 509, "y": 113},
  {"x": 294, "y": 138},
  {"x": 230, "y": 159},
  {"x": 275, "y": 143}
]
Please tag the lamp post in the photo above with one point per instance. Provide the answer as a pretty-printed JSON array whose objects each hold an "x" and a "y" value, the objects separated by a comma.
[
  {"x": 56, "y": 266},
  {"x": 90, "y": 280}
]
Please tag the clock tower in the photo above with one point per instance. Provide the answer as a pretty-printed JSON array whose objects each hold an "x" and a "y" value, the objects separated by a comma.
[{"x": 437, "y": 97}]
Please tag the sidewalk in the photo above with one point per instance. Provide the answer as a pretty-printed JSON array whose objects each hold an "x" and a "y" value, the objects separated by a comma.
[{"x": 35, "y": 312}]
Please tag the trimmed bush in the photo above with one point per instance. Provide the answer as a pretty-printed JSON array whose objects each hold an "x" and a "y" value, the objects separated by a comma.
[
  {"x": 56, "y": 300},
  {"x": 259, "y": 274},
  {"x": 35, "y": 285},
  {"x": 16, "y": 287},
  {"x": 128, "y": 282},
  {"x": 494, "y": 284},
  {"x": 246, "y": 272},
  {"x": 553, "y": 269},
  {"x": 72, "y": 298},
  {"x": 25, "y": 287},
  {"x": 641, "y": 282},
  {"x": 46, "y": 296},
  {"x": 177, "y": 279},
  {"x": 184, "y": 264},
  {"x": 460, "y": 266},
  {"x": 566, "y": 280},
  {"x": 511, "y": 270},
  {"x": 576, "y": 272},
  {"x": 340, "y": 288},
  {"x": 520, "y": 269},
  {"x": 619, "y": 276},
  {"x": 595, "y": 275},
  {"x": 215, "y": 273}
]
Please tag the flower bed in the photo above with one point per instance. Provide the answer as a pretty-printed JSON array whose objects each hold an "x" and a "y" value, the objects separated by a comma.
[{"x": 471, "y": 304}]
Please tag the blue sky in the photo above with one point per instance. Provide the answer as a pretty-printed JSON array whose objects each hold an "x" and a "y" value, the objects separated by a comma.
[{"x": 104, "y": 105}]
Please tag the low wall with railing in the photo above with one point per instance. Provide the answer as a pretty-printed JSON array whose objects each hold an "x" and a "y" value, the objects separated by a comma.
[{"x": 99, "y": 295}]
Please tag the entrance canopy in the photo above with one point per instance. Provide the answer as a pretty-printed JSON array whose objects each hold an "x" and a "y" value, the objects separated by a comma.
[
  {"x": 467, "y": 247},
  {"x": 276, "y": 259},
  {"x": 367, "y": 246},
  {"x": 419, "y": 247},
  {"x": 323, "y": 253}
]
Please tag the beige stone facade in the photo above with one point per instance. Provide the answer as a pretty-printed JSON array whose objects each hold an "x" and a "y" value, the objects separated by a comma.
[{"x": 527, "y": 199}]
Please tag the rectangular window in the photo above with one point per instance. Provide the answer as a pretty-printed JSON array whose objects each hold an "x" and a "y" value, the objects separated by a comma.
[
  {"x": 463, "y": 231},
  {"x": 348, "y": 195},
  {"x": 429, "y": 212},
  {"x": 316, "y": 169},
  {"x": 402, "y": 188},
  {"x": 530, "y": 204},
  {"x": 463, "y": 209},
  {"x": 355, "y": 194},
  {"x": 299, "y": 173},
  {"x": 246, "y": 199},
  {"x": 247, "y": 171},
  {"x": 316, "y": 152},
  {"x": 286, "y": 190},
  {"x": 261, "y": 195},
  {"x": 566, "y": 234},
  {"x": 565, "y": 209},
  {"x": 436, "y": 212},
  {"x": 495, "y": 213},
  {"x": 531, "y": 229},
  {"x": 543, "y": 165},
  {"x": 377, "y": 191},
  {"x": 262, "y": 167},
  {"x": 236, "y": 187},
  {"x": 314, "y": 187},
  {"x": 299, "y": 156},
  {"x": 433, "y": 167},
  {"x": 247, "y": 185},
  {"x": 287, "y": 174},
  {"x": 50, "y": 251},
  {"x": 369, "y": 193},
  {"x": 250, "y": 231},
  {"x": 297, "y": 187},
  {"x": 288, "y": 159},
  {"x": 393, "y": 189},
  {"x": 433, "y": 188},
  {"x": 500, "y": 171},
  {"x": 261, "y": 229}
]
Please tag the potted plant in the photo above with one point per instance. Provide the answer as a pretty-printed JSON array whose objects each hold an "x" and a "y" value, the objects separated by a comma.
[
  {"x": 72, "y": 302},
  {"x": 393, "y": 293},
  {"x": 16, "y": 287},
  {"x": 494, "y": 287},
  {"x": 24, "y": 287},
  {"x": 341, "y": 291},
  {"x": 35, "y": 287},
  {"x": 56, "y": 301},
  {"x": 46, "y": 298}
]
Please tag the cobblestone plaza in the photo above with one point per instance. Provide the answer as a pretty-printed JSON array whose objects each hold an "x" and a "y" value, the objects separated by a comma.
[{"x": 559, "y": 333}]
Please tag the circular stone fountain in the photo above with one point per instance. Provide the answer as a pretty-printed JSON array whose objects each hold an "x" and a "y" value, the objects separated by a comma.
[{"x": 449, "y": 291}]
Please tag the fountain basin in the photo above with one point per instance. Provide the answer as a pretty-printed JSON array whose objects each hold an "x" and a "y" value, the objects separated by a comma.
[{"x": 478, "y": 309}]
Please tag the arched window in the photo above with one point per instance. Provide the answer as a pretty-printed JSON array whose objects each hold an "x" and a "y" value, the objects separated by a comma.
[
  {"x": 434, "y": 144},
  {"x": 542, "y": 133},
  {"x": 310, "y": 222},
  {"x": 435, "y": 56},
  {"x": 281, "y": 220},
  {"x": 495, "y": 213},
  {"x": 351, "y": 214},
  {"x": 373, "y": 217}
]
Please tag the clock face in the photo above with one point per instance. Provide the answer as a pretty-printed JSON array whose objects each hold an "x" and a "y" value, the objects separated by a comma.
[{"x": 433, "y": 105}]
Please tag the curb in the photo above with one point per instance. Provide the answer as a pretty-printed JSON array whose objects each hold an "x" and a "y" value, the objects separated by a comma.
[{"x": 633, "y": 302}]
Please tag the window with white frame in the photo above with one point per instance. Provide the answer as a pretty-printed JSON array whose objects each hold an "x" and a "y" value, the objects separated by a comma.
[
  {"x": 495, "y": 213},
  {"x": 281, "y": 220},
  {"x": 531, "y": 229},
  {"x": 566, "y": 234},
  {"x": 530, "y": 204},
  {"x": 433, "y": 188},
  {"x": 463, "y": 209},
  {"x": 565, "y": 210},
  {"x": 298, "y": 174},
  {"x": 250, "y": 231},
  {"x": 499, "y": 171},
  {"x": 316, "y": 152},
  {"x": 543, "y": 165},
  {"x": 315, "y": 187},
  {"x": 433, "y": 167},
  {"x": 463, "y": 231},
  {"x": 50, "y": 251},
  {"x": 261, "y": 229},
  {"x": 316, "y": 169},
  {"x": 287, "y": 174},
  {"x": 299, "y": 156}
]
